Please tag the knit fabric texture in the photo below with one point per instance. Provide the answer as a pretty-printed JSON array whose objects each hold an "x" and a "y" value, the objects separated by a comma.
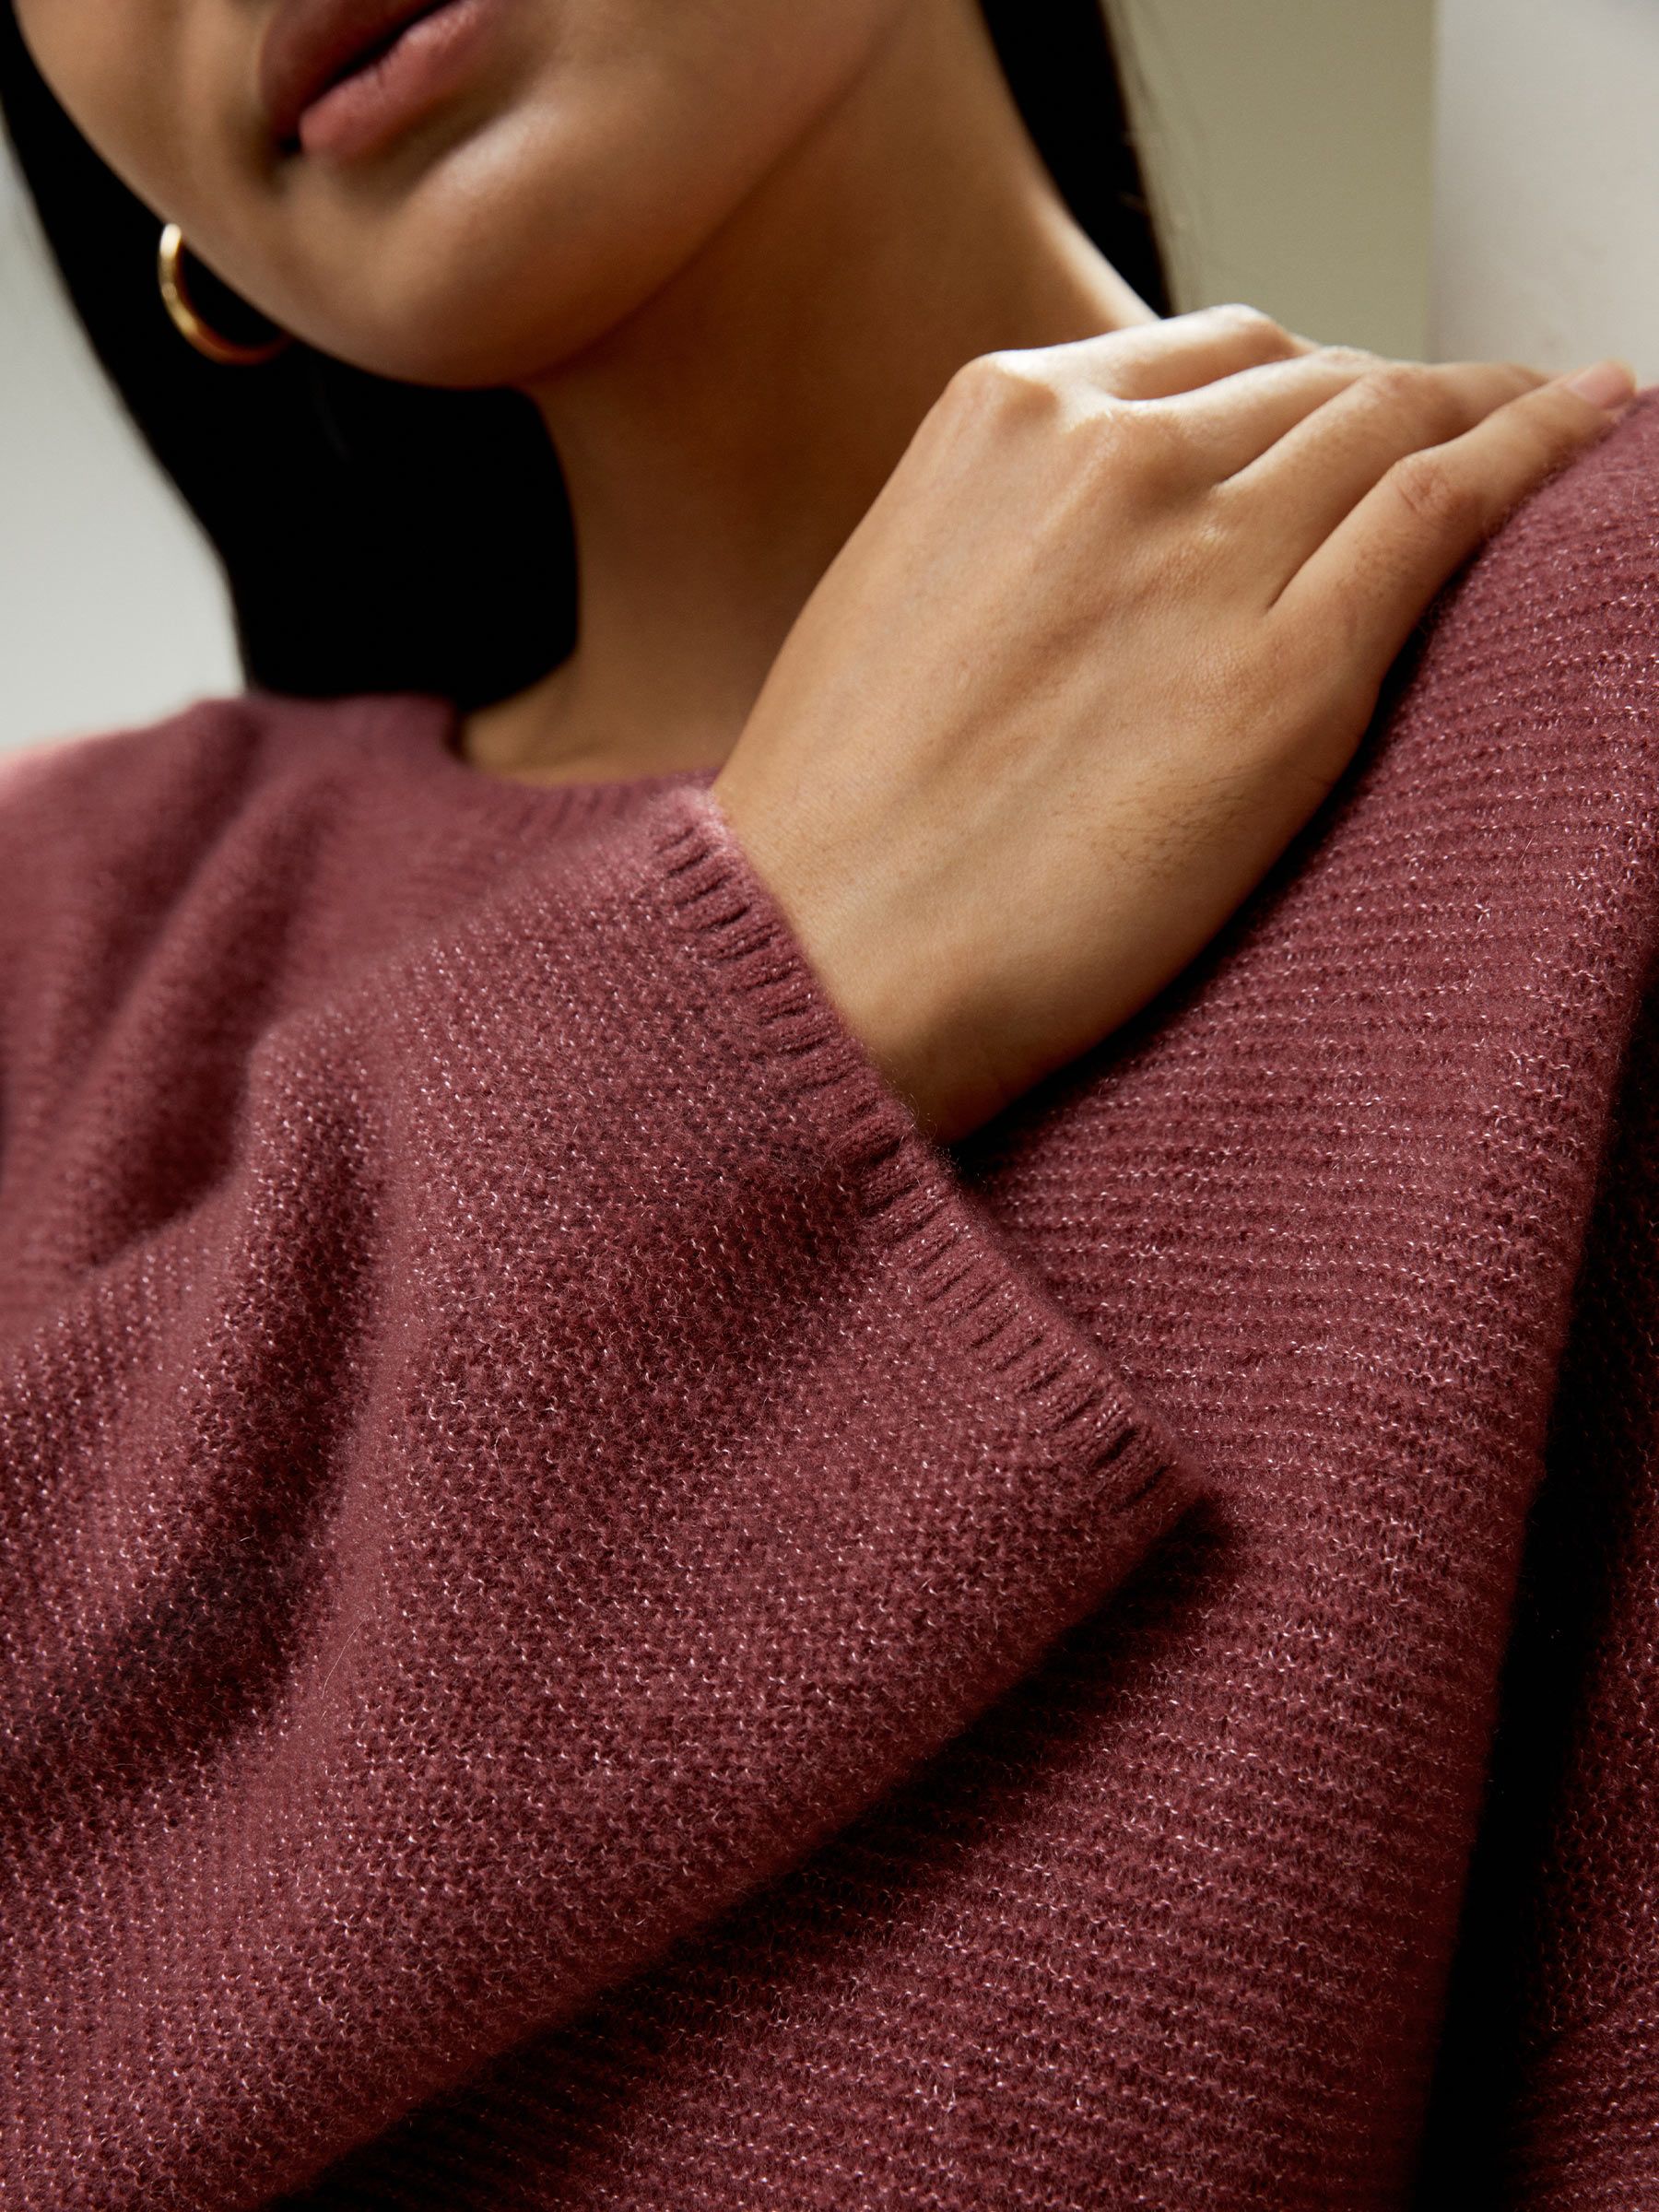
[{"x": 591, "y": 1621}]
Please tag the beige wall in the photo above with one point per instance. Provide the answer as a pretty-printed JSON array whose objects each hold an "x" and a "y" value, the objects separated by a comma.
[
  {"x": 1289, "y": 148},
  {"x": 111, "y": 606}
]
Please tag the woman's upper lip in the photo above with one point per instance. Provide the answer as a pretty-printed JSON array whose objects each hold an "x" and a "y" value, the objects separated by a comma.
[{"x": 308, "y": 44}]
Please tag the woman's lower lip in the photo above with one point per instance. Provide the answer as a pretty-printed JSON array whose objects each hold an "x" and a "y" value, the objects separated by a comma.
[{"x": 365, "y": 109}]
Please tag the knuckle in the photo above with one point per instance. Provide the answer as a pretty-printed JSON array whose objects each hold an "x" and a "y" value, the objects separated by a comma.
[
  {"x": 1407, "y": 396},
  {"x": 1356, "y": 358},
  {"x": 1438, "y": 495},
  {"x": 1239, "y": 314},
  {"x": 1150, "y": 435},
  {"x": 1265, "y": 335},
  {"x": 1399, "y": 387},
  {"x": 1009, "y": 376}
]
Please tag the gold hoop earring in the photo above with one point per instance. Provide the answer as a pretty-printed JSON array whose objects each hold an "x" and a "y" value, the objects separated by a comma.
[{"x": 169, "y": 272}]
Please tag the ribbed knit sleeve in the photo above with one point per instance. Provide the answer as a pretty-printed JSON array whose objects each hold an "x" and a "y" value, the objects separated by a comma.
[{"x": 505, "y": 1445}]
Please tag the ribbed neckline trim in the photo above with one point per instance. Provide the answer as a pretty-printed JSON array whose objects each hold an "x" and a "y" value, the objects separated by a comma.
[{"x": 419, "y": 734}]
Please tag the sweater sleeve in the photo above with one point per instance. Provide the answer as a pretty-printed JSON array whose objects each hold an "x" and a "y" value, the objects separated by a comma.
[
  {"x": 494, "y": 1467},
  {"x": 1547, "y": 2099}
]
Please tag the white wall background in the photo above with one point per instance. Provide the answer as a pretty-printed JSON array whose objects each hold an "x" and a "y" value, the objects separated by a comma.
[
  {"x": 1546, "y": 200},
  {"x": 1294, "y": 148},
  {"x": 111, "y": 610}
]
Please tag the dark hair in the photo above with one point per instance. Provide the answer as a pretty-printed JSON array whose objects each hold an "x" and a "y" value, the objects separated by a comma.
[{"x": 346, "y": 576}]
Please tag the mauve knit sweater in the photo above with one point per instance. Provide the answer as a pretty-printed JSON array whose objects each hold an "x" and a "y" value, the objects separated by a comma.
[{"x": 591, "y": 1621}]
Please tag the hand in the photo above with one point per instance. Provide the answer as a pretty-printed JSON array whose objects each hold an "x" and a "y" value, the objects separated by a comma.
[{"x": 1107, "y": 636}]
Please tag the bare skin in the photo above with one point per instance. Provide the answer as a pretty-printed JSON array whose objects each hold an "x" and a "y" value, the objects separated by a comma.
[
  {"x": 808, "y": 326},
  {"x": 1101, "y": 645}
]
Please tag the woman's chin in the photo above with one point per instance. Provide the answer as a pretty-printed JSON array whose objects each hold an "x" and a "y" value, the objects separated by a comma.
[
  {"x": 464, "y": 285},
  {"x": 446, "y": 339}
]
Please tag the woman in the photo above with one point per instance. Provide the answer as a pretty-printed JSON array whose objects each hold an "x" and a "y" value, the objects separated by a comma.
[{"x": 597, "y": 1619}]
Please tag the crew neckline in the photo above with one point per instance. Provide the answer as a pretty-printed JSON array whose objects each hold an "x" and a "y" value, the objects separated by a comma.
[{"x": 425, "y": 732}]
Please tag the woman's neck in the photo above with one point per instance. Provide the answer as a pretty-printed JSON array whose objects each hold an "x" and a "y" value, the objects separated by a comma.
[{"x": 721, "y": 444}]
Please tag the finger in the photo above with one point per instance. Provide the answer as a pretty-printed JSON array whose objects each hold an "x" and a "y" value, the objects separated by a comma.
[
  {"x": 1376, "y": 573},
  {"x": 1228, "y": 424},
  {"x": 1325, "y": 465},
  {"x": 1151, "y": 359}
]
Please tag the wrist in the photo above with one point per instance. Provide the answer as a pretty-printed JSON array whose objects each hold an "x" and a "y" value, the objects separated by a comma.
[{"x": 871, "y": 969}]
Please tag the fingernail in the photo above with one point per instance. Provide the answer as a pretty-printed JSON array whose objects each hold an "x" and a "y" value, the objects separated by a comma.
[{"x": 1605, "y": 384}]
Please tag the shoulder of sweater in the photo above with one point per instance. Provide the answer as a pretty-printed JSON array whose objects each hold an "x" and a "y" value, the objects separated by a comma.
[
  {"x": 218, "y": 748},
  {"x": 102, "y": 833}
]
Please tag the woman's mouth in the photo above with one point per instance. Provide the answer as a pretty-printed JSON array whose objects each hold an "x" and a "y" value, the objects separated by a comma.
[{"x": 340, "y": 77}]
